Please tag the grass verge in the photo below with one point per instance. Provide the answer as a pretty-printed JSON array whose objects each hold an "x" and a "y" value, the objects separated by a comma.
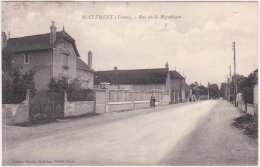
[{"x": 249, "y": 124}]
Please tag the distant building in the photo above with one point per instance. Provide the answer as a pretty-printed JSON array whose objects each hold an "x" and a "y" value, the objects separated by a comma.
[
  {"x": 50, "y": 55},
  {"x": 223, "y": 88},
  {"x": 195, "y": 91},
  {"x": 179, "y": 89},
  {"x": 171, "y": 83},
  {"x": 203, "y": 93},
  {"x": 135, "y": 80}
]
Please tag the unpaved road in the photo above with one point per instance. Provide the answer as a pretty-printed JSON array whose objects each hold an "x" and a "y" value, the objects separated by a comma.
[{"x": 191, "y": 134}]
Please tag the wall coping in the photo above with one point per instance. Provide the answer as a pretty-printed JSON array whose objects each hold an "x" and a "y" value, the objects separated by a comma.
[
  {"x": 142, "y": 101},
  {"x": 118, "y": 103}
]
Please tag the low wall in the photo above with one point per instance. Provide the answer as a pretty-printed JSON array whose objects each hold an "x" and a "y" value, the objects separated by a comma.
[
  {"x": 141, "y": 104},
  {"x": 100, "y": 108},
  {"x": 250, "y": 108},
  {"x": 78, "y": 108},
  {"x": 15, "y": 113},
  {"x": 165, "y": 100},
  {"x": 127, "y": 105},
  {"x": 119, "y": 106}
]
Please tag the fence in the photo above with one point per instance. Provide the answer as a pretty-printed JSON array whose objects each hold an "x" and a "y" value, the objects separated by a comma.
[{"x": 119, "y": 99}]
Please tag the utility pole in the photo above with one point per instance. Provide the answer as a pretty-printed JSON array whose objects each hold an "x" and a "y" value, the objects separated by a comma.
[
  {"x": 230, "y": 71},
  {"x": 208, "y": 90},
  {"x": 235, "y": 83},
  {"x": 229, "y": 86}
]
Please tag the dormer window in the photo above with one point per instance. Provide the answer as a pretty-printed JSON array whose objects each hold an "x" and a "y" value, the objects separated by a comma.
[{"x": 26, "y": 58}]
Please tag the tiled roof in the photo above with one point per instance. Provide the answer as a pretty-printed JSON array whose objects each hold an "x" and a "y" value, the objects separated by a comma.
[
  {"x": 82, "y": 65},
  {"x": 175, "y": 75},
  {"x": 138, "y": 76},
  {"x": 37, "y": 42}
]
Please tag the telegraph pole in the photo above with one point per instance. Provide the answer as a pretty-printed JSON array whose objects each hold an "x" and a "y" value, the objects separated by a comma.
[
  {"x": 235, "y": 93},
  {"x": 230, "y": 71},
  {"x": 208, "y": 90}
]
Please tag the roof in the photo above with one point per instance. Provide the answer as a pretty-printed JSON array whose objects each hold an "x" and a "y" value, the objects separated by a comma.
[
  {"x": 37, "y": 42},
  {"x": 186, "y": 86},
  {"x": 138, "y": 76},
  {"x": 81, "y": 65},
  {"x": 175, "y": 75},
  {"x": 202, "y": 87}
]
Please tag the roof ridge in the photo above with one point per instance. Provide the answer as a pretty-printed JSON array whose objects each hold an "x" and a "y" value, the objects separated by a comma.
[
  {"x": 36, "y": 35},
  {"x": 133, "y": 69}
]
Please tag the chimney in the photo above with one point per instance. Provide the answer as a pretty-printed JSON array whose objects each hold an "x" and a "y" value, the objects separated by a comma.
[
  {"x": 167, "y": 65},
  {"x": 4, "y": 40},
  {"x": 90, "y": 59},
  {"x": 52, "y": 33}
]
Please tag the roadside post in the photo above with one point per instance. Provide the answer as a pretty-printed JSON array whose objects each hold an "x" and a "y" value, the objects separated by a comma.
[{"x": 105, "y": 85}]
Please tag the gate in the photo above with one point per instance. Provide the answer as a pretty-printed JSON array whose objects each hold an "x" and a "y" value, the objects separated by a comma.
[
  {"x": 100, "y": 100},
  {"x": 46, "y": 106}
]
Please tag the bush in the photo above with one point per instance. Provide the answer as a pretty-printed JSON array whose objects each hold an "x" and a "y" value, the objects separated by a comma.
[
  {"x": 74, "y": 89},
  {"x": 80, "y": 95},
  {"x": 15, "y": 83},
  {"x": 247, "y": 87}
]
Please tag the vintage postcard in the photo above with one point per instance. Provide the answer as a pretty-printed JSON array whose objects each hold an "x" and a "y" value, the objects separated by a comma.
[{"x": 129, "y": 83}]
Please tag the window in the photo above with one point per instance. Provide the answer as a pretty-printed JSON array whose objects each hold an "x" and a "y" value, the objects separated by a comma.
[
  {"x": 26, "y": 59},
  {"x": 64, "y": 60}
]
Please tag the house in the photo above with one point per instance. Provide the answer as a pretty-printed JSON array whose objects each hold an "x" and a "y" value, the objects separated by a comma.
[
  {"x": 180, "y": 90},
  {"x": 187, "y": 92},
  {"x": 135, "y": 79},
  {"x": 53, "y": 54},
  {"x": 171, "y": 83}
]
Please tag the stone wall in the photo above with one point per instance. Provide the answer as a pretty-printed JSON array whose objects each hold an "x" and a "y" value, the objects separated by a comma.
[
  {"x": 16, "y": 113},
  {"x": 250, "y": 108},
  {"x": 141, "y": 104},
  {"x": 119, "y": 106},
  {"x": 78, "y": 108}
]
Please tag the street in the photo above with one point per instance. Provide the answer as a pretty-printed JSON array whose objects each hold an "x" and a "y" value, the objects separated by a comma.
[{"x": 197, "y": 133}]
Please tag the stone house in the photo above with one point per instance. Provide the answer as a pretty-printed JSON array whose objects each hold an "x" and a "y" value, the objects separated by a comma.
[
  {"x": 53, "y": 54},
  {"x": 187, "y": 92},
  {"x": 180, "y": 90}
]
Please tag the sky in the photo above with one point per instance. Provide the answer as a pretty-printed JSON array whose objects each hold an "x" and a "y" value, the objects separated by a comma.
[{"x": 196, "y": 39}]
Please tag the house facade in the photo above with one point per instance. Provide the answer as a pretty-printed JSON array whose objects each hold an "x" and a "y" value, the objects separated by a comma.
[
  {"x": 50, "y": 55},
  {"x": 180, "y": 90}
]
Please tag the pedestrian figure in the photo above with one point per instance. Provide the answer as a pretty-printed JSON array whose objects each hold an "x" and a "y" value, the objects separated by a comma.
[{"x": 152, "y": 102}]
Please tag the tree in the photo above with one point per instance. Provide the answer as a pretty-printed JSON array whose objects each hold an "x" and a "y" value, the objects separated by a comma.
[
  {"x": 214, "y": 91},
  {"x": 247, "y": 87},
  {"x": 15, "y": 83},
  {"x": 74, "y": 89}
]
